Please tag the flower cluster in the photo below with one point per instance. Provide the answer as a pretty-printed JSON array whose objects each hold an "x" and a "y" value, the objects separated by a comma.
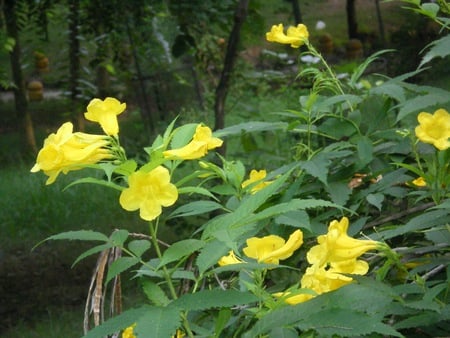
[
  {"x": 295, "y": 36},
  {"x": 434, "y": 128},
  {"x": 331, "y": 260},
  {"x": 148, "y": 189}
]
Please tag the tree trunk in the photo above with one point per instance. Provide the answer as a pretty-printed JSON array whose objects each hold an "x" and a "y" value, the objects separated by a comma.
[
  {"x": 74, "y": 63},
  {"x": 351, "y": 19},
  {"x": 296, "y": 11},
  {"x": 230, "y": 56},
  {"x": 380, "y": 23},
  {"x": 20, "y": 98}
]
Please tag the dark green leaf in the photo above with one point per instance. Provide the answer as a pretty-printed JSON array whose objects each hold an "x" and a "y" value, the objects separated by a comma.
[
  {"x": 207, "y": 299},
  {"x": 180, "y": 250},
  {"x": 154, "y": 293},
  {"x": 119, "y": 266}
]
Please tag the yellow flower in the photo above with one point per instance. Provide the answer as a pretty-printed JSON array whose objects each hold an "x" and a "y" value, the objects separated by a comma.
[
  {"x": 256, "y": 176},
  {"x": 66, "y": 151},
  {"x": 419, "y": 182},
  {"x": 434, "y": 128},
  {"x": 229, "y": 259},
  {"x": 105, "y": 112},
  {"x": 271, "y": 249},
  {"x": 202, "y": 141},
  {"x": 148, "y": 191},
  {"x": 295, "y": 36},
  {"x": 129, "y": 332},
  {"x": 337, "y": 246}
]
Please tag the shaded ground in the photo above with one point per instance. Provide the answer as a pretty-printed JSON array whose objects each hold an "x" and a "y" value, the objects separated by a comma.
[{"x": 32, "y": 282}]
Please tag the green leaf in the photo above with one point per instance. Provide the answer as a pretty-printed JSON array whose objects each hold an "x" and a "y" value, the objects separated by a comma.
[
  {"x": 154, "y": 293},
  {"x": 246, "y": 208},
  {"x": 80, "y": 235},
  {"x": 119, "y": 237},
  {"x": 196, "y": 190},
  {"x": 139, "y": 246},
  {"x": 180, "y": 250},
  {"x": 117, "y": 323},
  {"x": 210, "y": 254},
  {"x": 439, "y": 48},
  {"x": 92, "y": 180},
  {"x": 429, "y": 9},
  {"x": 126, "y": 168},
  {"x": 317, "y": 167},
  {"x": 421, "y": 102},
  {"x": 119, "y": 266},
  {"x": 339, "y": 192},
  {"x": 424, "y": 221},
  {"x": 364, "y": 147},
  {"x": 195, "y": 208},
  {"x": 345, "y": 323},
  {"x": 222, "y": 319},
  {"x": 92, "y": 251},
  {"x": 249, "y": 127},
  {"x": 183, "y": 135},
  {"x": 158, "y": 322},
  {"x": 207, "y": 299},
  {"x": 376, "y": 200},
  {"x": 342, "y": 310}
]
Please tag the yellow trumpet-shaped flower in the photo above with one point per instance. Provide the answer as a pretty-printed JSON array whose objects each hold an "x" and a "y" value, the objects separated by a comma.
[
  {"x": 66, "y": 151},
  {"x": 271, "y": 249},
  {"x": 129, "y": 332},
  {"x": 434, "y": 128},
  {"x": 295, "y": 36},
  {"x": 105, "y": 113},
  {"x": 229, "y": 259},
  {"x": 149, "y": 191},
  {"x": 202, "y": 141},
  {"x": 337, "y": 246},
  {"x": 419, "y": 182},
  {"x": 256, "y": 176}
]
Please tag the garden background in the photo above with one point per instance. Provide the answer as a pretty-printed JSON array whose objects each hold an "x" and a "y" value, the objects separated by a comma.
[{"x": 166, "y": 59}]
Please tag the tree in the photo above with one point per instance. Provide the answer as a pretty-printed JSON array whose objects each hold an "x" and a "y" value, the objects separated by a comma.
[
  {"x": 351, "y": 19},
  {"x": 230, "y": 56},
  {"x": 10, "y": 11}
]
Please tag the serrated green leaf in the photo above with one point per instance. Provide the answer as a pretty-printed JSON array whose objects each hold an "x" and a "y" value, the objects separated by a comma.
[
  {"x": 80, "y": 235},
  {"x": 139, "y": 246},
  {"x": 423, "y": 221},
  {"x": 119, "y": 266},
  {"x": 154, "y": 293},
  {"x": 317, "y": 167},
  {"x": 180, "y": 250},
  {"x": 195, "y": 208},
  {"x": 158, "y": 322},
  {"x": 117, "y": 323},
  {"x": 439, "y": 48},
  {"x": 207, "y": 299},
  {"x": 92, "y": 180},
  {"x": 345, "y": 323},
  {"x": 421, "y": 102},
  {"x": 249, "y": 127},
  {"x": 92, "y": 251},
  {"x": 347, "y": 299}
]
